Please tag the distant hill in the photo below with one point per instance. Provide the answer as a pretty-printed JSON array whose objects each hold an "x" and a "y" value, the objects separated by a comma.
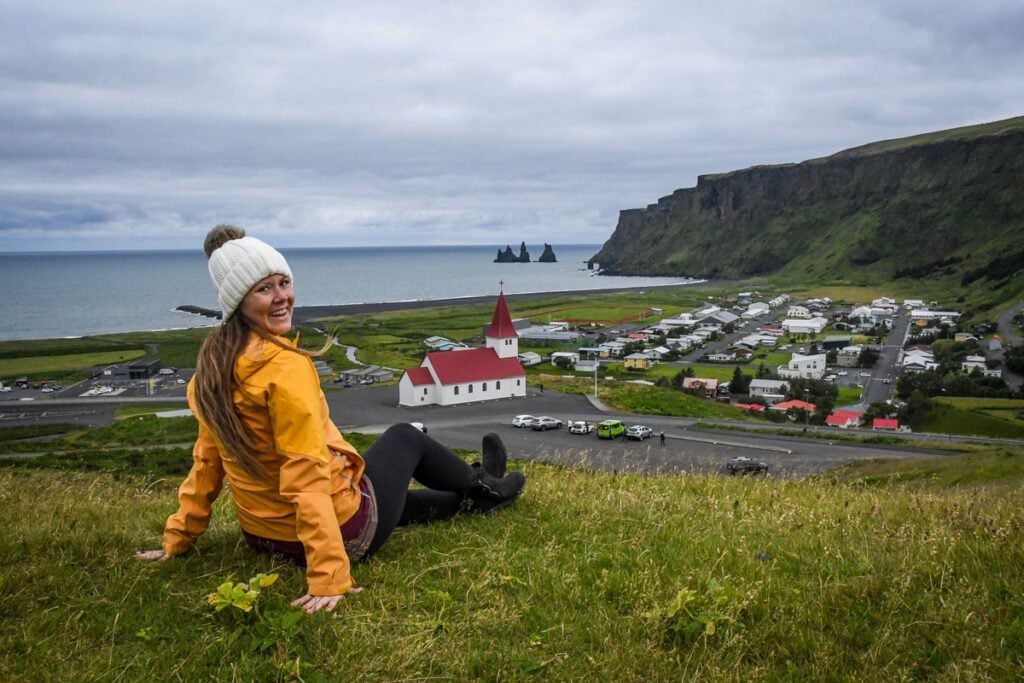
[{"x": 946, "y": 205}]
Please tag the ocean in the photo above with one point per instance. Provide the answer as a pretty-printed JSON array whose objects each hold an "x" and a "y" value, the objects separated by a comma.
[{"x": 70, "y": 294}]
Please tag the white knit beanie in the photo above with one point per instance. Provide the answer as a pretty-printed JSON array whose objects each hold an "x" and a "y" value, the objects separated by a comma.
[{"x": 239, "y": 264}]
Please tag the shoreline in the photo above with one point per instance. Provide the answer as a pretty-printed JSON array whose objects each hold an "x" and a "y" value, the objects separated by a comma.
[{"x": 304, "y": 314}]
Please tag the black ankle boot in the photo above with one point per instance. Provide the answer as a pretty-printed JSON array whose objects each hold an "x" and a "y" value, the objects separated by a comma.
[
  {"x": 495, "y": 455},
  {"x": 487, "y": 493}
]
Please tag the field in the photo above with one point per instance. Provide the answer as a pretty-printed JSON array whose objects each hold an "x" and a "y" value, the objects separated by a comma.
[
  {"x": 885, "y": 572},
  {"x": 982, "y": 416},
  {"x": 59, "y": 366},
  {"x": 395, "y": 339}
]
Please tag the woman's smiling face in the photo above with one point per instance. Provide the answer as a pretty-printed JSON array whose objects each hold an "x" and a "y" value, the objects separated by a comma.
[{"x": 268, "y": 305}]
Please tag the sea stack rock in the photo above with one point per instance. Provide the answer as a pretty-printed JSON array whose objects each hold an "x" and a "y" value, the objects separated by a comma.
[
  {"x": 508, "y": 256},
  {"x": 548, "y": 256}
]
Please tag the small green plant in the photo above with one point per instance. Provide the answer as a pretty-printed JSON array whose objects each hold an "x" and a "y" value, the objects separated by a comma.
[
  {"x": 692, "y": 614},
  {"x": 241, "y": 596},
  {"x": 272, "y": 626}
]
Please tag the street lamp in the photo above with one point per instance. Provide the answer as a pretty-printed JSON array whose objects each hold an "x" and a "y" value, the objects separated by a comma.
[
  {"x": 807, "y": 412},
  {"x": 596, "y": 364}
]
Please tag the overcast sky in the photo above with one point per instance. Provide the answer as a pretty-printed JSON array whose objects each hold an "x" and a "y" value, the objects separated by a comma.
[{"x": 127, "y": 124}]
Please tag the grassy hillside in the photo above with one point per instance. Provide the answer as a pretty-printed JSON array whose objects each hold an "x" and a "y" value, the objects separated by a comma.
[
  {"x": 936, "y": 213},
  {"x": 591, "y": 576}
]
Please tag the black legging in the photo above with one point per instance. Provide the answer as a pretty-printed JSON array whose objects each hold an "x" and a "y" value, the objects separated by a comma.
[{"x": 404, "y": 453}]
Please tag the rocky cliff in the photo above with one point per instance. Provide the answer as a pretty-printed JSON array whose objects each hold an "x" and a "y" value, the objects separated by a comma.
[
  {"x": 508, "y": 256},
  {"x": 952, "y": 200}
]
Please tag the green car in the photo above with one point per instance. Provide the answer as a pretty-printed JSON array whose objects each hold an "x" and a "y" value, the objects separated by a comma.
[{"x": 609, "y": 429}]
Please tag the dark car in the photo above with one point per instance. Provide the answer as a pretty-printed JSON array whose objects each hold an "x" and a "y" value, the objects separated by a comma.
[{"x": 745, "y": 465}]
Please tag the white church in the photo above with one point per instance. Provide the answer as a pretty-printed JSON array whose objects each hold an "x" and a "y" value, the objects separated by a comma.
[{"x": 463, "y": 376}]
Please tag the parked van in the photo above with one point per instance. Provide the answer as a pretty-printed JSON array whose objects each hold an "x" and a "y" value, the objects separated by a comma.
[{"x": 609, "y": 429}]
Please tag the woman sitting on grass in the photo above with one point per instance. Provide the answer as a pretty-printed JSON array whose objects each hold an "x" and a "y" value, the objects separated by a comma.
[{"x": 299, "y": 488}]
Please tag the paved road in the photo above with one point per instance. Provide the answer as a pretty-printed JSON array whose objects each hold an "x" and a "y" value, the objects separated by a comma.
[
  {"x": 1006, "y": 328},
  {"x": 688, "y": 449},
  {"x": 1010, "y": 338},
  {"x": 878, "y": 387}
]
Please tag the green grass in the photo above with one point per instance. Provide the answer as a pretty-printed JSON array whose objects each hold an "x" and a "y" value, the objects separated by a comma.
[
  {"x": 979, "y": 417},
  {"x": 649, "y": 400},
  {"x": 848, "y": 395},
  {"x": 136, "y": 409},
  {"x": 1002, "y": 468},
  {"x": 59, "y": 366},
  {"x": 592, "y": 576},
  {"x": 395, "y": 339}
]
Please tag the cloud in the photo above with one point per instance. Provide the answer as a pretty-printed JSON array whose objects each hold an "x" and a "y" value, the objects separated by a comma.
[{"x": 433, "y": 122}]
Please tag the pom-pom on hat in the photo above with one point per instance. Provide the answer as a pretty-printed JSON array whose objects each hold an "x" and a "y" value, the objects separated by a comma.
[{"x": 237, "y": 263}]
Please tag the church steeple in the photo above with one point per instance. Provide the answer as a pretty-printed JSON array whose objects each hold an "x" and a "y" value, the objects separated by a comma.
[{"x": 502, "y": 335}]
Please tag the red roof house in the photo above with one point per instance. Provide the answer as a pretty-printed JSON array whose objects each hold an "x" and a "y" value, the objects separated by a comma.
[
  {"x": 844, "y": 418},
  {"x": 888, "y": 424},
  {"x": 799, "y": 405}
]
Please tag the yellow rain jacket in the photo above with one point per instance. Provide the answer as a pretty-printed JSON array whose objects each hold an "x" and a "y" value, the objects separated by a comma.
[{"x": 314, "y": 473}]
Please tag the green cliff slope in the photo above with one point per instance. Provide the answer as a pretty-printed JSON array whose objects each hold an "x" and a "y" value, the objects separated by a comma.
[{"x": 947, "y": 205}]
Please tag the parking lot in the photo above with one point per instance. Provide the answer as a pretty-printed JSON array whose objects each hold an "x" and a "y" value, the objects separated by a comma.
[{"x": 687, "y": 448}]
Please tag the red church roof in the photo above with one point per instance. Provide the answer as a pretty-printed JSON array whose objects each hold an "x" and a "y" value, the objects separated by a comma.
[
  {"x": 473, "y": 365},
  {"x": 501, "y": 324},
  {"x": 420, "y": 376}
]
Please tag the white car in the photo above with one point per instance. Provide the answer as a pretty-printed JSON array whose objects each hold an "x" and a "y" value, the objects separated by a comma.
[
  {"x": 542, "y": 424},
  {"x": 639, "y": 432},
  {"x": 523, "y": 420},
  {"x": 580, "y": 428}
]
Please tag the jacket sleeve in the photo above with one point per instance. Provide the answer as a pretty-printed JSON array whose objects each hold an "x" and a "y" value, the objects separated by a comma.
[
  {"x": 195, "y": 496},
  {"x": 305, "y": 478}
]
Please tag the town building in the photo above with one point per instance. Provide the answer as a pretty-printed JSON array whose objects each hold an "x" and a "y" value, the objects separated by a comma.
[
  {"x": 770, "y": 390},
  {"x": 470, "y": 375},
  {"x": 807, "y": 367}
]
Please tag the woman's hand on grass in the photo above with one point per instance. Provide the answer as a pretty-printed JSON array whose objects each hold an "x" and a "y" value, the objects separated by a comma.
[
  {"x": 152, "y": 555},
  {"x": 315, "y": 603}
]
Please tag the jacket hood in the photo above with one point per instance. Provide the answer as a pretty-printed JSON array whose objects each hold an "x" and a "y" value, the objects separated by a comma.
[{"x": 258, "y": 353}]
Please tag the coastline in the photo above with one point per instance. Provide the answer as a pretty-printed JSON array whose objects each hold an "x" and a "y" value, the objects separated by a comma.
[{"x": 304, "y": 314}]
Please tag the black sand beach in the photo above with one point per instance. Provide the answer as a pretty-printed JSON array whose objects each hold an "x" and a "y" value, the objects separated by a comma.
[
  {"x": 303, "y": 314},
  {"x": 306, "y": 313}
]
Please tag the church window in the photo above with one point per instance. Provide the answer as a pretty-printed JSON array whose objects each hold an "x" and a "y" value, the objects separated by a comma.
[
  {"x": 497, "y": 385},
  {"x": 471, "y": 388},
  {"x": 456, "y": 390},
  {"x": 484, "y": 387}
]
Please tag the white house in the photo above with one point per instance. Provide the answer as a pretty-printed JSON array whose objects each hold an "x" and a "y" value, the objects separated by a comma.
[
  {"x": 808, "y": 367},
  {"x": 798, "y": 312},
  {"x": 755, "y": 310},
  {"x": 918, "y": 360},
  {"x": 572, "y": 356},
  {"x": 809, "y": 326},
  {"x": 470, "y": 375},
  {"x": 719, "y": 319},
  {"x": 771, "y": 390},
  {"x": 529, "y": 358}
]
